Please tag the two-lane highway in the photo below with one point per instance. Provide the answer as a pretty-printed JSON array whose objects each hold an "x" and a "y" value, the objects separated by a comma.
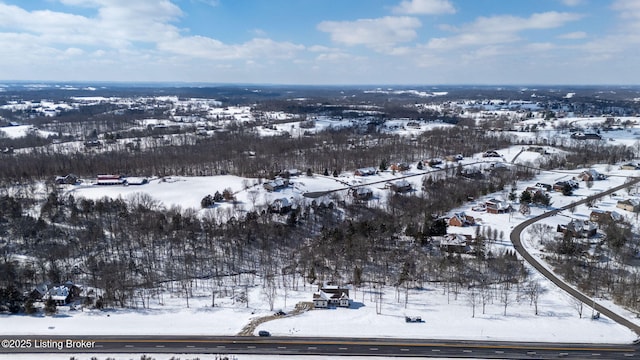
[{"x": 316, "y": 346}]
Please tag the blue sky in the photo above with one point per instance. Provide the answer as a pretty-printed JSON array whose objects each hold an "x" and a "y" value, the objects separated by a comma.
[{"x": 413, "y": 42}]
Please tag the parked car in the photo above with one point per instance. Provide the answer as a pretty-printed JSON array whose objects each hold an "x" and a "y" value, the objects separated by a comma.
[{"x": 264, "y": 333}]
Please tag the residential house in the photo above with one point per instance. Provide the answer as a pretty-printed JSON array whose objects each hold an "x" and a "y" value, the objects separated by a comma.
[
  {"x": 453, "y": 243},
  {"x": 275, "y": 185},
  {"x": 491, "y": 153},
  {"x": 110, "y": 180},
  {"x": 461, "y": 219},
  {"x": 401, "y": 186},
  {"x": 632, "y": 205},
  {"x": 362, "y": 193},
  {"x": 499, "y": 166},
  {"x": 547, "y": 187},
  {"x": 291, "y": 173},
  {"x": 497, "y": 206},
  {"x": 472, "y": 172},
  {"x": 280, "y": 206},
  {"x": 586, "y": 136},
  {"x": 135, "y": 181},
  {"x": 602, "y": 217},
  {"x": 70, "y": 179},
  {"x": 579, "y": 228},
  {"x": 591, "y": 175},
  {"x": 331, "y": 295},
  {"x": 367, "y": 171},
  {"x": 400, "y": 166},
  {"x": 559, "y": 186},
  {"x": 630, "y": 166},
  {"x": 454, "y": 158},
  {"x": 534, "y": 190},
  {"x": 62, "y": 294},
  {"x": 320, "y": 300}
]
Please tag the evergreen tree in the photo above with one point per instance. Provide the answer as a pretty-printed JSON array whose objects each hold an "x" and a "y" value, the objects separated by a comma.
[
  {"x": 50, "y": 306},
  {"x": 525, "y": 197}
]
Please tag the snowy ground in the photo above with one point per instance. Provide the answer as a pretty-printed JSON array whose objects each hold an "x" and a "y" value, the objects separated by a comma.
[{"x": 445, "y": 317}]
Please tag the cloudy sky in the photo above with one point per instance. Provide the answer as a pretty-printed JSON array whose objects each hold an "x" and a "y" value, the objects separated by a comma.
[{"x": 322, "y": 41}]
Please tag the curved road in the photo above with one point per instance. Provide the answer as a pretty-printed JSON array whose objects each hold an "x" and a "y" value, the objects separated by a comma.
[{"x": 517, "y": 243}]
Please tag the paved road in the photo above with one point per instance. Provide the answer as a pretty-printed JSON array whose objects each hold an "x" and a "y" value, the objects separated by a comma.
[
  {"x": 517, "y": 243},
  {"x": 272, "y": 346}
]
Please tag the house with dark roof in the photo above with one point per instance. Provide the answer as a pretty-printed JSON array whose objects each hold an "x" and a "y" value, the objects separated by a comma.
[
  {"x": 331, "y": 296},
  {"x": 362, "y": 193},
  {"x": 579, "y": 228},
  {"x": 275, "y": 185},
  {"x": 401, "y": 186}
]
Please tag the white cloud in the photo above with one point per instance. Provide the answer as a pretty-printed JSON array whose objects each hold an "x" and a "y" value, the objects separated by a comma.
[
  {"x": 500, "y": 29},
  {"x": 424, "y": 7},
  {"x": 628, "y": 10},
  {"x": 212, "y": 3},
  {"x": 124, "y": 24},
  {"x": 576, "y": 35},
  {"x": 380, "y": 34},
  {"x": 117, "y": 24},
  {"x": 207, "y": 48},
  {"x": 572, "y": 2}
]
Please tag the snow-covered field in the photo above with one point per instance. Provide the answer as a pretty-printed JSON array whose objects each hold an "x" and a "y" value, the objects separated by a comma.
[{"x": 445, "y": 315}]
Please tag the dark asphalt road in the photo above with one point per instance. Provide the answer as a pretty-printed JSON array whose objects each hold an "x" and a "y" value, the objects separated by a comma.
[{"x": 321, "y": 346}]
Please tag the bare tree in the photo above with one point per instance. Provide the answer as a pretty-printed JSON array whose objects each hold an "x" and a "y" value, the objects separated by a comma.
[
  {"x": 505, "y": 297},
  {"x": 534, "y": 289},
  {"x": 473, "y": 299},
  {"x": 577, "y": 304},
  {"x": 269, "y": 292}
]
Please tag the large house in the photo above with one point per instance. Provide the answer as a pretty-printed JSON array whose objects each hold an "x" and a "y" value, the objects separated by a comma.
[
  {"x": 604, "y": 217},
  {"x": 110, "y": 180},
  {"x": 401, "y": 186},
  {"x": 630, "y": 166},
  {"x": 366, "y": 171},
  {"x": 456, "y": 243},
  {"x": 579, "y": 228},
  {"x": 591, "y": 175},
  {"x": 280, "y": 206},
  {"x": 586, "y": 136},
  {"x": 330, "y": 296},
  {"x": 560, "y": 185},
  {"x": 461, "y": 219},
  {"x": 362, "y": 193},
  {"x": 276, "y": 184},
  {"x": 632, "y": 205},
  {"x": 63, "y": 294},
  {"x": 402, "y": 166},
  {"x": 497, "y": 206}
]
